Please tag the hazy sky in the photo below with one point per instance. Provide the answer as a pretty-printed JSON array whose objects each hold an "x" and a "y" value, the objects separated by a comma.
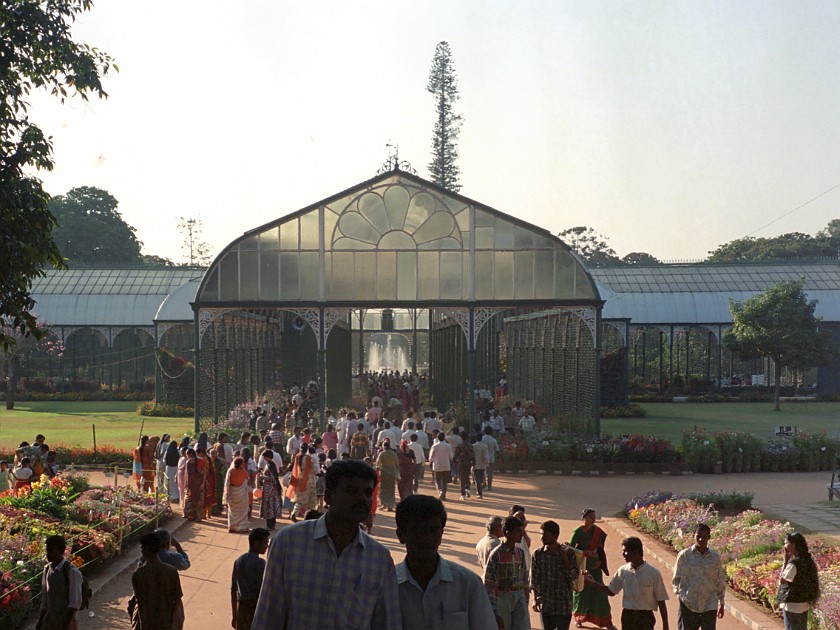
[{"x": 670, "y": 127}]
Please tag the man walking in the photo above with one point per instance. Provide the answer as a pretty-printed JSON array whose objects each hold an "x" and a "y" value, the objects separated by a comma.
[
  {"x": 552, "y": 570},
  {"x": 247, "y": 579},
  {"x": 61, "y": 589},
  {"x": 491, "y": 540},
  {"x": 435, "y": 594},
  {"x": 464, "y": 458},
  {"x": 492, "y": 450},
  {"x": 308, "y": 561},
  {"x": 699, "y": 583},
  {"x": 506, "y": 579},
  {"x": 157, "y": 589},
  {"x": 440, "y": 459},
  {"x": 482, "y": 456},
  {"x": 644, "y": 590}
]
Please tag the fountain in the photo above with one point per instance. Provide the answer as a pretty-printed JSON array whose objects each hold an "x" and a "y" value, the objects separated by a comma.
[{"x": 387, "y": 351}]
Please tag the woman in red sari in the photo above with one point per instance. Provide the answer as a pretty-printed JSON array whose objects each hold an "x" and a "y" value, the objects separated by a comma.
[{"x": 194, "y": 487}]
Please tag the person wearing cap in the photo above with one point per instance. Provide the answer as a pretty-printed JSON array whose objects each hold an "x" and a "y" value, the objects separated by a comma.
[{"x": 388, "y": 465}]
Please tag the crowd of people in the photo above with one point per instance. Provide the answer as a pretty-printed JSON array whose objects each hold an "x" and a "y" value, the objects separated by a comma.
[
  {"x": 29, "y": 463},
  {"x": 331, "y": 482}
]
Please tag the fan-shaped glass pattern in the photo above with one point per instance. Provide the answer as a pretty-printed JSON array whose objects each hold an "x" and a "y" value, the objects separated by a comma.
[{"x": 396, "y": 238}]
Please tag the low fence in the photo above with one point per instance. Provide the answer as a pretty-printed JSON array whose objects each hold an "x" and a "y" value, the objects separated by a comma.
[{"x": 128, "y": 529}]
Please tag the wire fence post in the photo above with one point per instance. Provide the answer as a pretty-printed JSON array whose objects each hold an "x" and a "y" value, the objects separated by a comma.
[{"x": 120, "y": 520}]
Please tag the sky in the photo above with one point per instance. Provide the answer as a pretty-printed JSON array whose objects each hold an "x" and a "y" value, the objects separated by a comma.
[{"x": 670, "y": 127}]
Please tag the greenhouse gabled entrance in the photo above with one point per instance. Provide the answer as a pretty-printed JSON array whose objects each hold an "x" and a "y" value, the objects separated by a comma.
[{"x": 293, "y": 300}]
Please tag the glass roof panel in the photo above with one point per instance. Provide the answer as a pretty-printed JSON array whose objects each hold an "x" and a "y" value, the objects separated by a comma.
[{"x": 426, "y": 231}]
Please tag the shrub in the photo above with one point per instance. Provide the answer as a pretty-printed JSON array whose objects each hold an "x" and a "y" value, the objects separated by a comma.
[
  {"x": 700, "y": 450},
  {"x": 164, "y": 410},
  {"x": 625, "y": 411}
]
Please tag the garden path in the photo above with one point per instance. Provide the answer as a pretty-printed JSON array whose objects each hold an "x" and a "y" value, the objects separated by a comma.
[{"x": 212, "y": 549}]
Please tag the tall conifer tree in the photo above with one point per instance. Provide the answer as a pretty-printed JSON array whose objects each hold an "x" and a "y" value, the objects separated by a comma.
[{"x": 444, "y": 86}]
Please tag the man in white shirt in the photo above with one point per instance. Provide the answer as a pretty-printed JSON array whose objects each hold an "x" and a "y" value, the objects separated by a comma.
[
  {"x": 419, "y": 458},
  {"x": 435, "y": 594},
  {"x": 294, "y": 442},
  {"x": 527, "y": 423},
  {"x": 440, "y": 459},
  {"x": 225, "y": 453},
  {"x": 497, "y": 422},
  {"x": 492, "y": 450},
  {"x": 644, "y": 590},
  {"x": 481, "y": 453}
]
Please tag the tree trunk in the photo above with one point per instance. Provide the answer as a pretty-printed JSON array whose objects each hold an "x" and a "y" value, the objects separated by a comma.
[
  {"x": 778, "y": 388},
  {"x": 11, "y": 382}
]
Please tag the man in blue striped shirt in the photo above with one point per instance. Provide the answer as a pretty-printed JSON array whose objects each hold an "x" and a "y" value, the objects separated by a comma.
[{"x": 327, "y": 573}]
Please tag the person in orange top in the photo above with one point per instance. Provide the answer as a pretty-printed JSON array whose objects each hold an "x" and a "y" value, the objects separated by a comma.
[
  {"x": 302, "y": 485},
  {"x": 137, "y": 461}
]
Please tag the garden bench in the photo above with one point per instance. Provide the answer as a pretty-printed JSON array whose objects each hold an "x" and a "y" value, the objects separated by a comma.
[{"x": 785, "y": 431}]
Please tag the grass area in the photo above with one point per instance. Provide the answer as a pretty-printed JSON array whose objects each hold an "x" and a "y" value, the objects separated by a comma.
[
  {"x": 70, "y": 423},
  {"x": 669, "y": 420}
]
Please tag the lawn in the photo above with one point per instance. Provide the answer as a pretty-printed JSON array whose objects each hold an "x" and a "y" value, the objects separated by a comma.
[
  {"x": 70, "y": 423},
  {"x": 669, "y": 420}
]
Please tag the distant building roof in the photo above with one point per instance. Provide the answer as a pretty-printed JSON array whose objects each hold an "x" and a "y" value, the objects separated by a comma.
[
  {"x": 701, "y": 293},
  {"x": 106, "y": 297}
]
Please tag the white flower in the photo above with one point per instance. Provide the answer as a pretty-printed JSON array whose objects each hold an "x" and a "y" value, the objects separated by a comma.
[
  {"x": 546, "y": 443},
  {"x": 740, "y": 450},
  {"x": 20, "y": 563},
  {"x": 823, "y": 449},
  {"x": 705, "y": 442}
]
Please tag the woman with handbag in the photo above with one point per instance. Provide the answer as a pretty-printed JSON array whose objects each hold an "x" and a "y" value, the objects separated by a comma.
[{"x": 271, "y": 504}]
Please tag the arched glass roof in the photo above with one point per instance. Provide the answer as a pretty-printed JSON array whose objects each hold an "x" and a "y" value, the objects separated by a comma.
[{"x": 397, "y": 239}]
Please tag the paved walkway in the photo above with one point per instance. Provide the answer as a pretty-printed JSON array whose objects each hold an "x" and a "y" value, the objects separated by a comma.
[{"x": 212, "y": 549}]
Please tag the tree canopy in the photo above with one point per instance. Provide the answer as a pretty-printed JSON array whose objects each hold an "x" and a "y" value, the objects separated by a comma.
[
  {"x": 443, "y": 84},
  {"x": 824, "y": 244},
  {"x": 90, "y": 228},
  {"x": 779, "y": 324},
  {"x": 38, "y": 53}
]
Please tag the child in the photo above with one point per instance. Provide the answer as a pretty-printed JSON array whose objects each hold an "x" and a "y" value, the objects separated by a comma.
[
  {"x": 320, "y": 480},
  {"x": 51, "y": 467},
  {"x": 23, "y": 475},
  {"x": 7, "y": 480}
]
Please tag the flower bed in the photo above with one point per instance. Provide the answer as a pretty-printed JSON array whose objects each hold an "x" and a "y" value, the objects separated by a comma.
[
  {"x": 749, "y": 545},
  {"x": 94, "y": 522},
  {"x": 78, "y": 456},
  {"x": 732, "y": 451},
  {"x": 560, "y": 447}
]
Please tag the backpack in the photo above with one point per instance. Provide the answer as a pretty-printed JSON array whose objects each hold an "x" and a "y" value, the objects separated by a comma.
[{"x": 87, "y": 592}]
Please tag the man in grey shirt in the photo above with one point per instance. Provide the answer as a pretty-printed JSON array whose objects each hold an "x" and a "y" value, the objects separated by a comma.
[{"x": 247, "y": 578}]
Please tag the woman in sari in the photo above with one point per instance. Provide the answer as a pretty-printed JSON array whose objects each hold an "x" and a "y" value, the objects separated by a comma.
[
  {"x": 302, "y": 485},
  {"x": 590, "y": 605},
  {"x": 209, "y": 480},
  {"x": 235, "y": 496},
  {"x": 271, "y": 506},
  {"x": 405, "y": 484},
  {"x": 194, "y": 487}
]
